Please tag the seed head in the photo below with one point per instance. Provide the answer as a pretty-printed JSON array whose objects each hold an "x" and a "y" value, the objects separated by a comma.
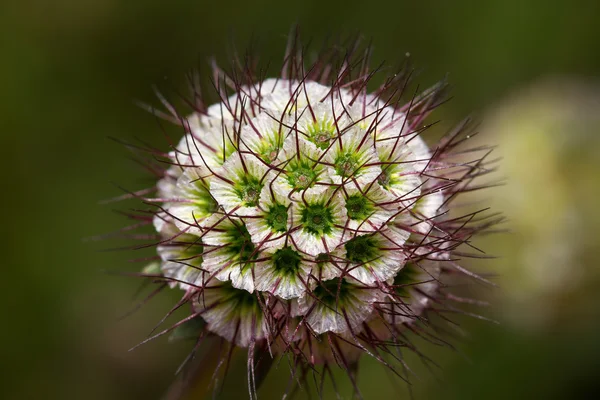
[{"x": 305, "y": 215}]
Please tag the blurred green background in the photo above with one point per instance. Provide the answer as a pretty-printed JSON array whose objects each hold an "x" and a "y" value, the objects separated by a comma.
[{"x": 70, "y": 71}]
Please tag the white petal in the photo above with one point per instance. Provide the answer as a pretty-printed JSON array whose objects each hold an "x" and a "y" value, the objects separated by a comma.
[
  {"x": 237, "y": 168},
  {"x": 240, "y": 276},
  {"x": 293, "y": 97},
  {"x": 420, "y": 151}
]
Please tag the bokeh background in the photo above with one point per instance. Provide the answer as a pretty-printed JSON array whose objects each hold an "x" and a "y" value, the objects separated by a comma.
[{"x": 70, "y": 71}]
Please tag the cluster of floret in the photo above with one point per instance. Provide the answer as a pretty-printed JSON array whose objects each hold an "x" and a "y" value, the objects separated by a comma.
[
  {"x": 310, "y": 196},
  {"x": 305, "y": 215}
]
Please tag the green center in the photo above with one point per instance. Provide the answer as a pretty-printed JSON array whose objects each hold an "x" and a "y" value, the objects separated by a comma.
[
  {"x": 321, "y": 134},
  {"x": 269, "y": 154},
  {"x": 269, "y": 147},
  {"x": 301, "y": 175},
  {"x": 248, "y": 190},
  {"x": 346, "y": 165},
  {"x": 384, "y": 178},
  {"x": 390, "y": 175},
  {"x": 332, "y": 292},
  {"x": 287, "y": 261},
  {"x": 359, "y": 207},
  {"x": 317, "y": 219},
  {"x": 322, "y": 258},
  {"x": 361, "y": 249},
  {"x": 277, "y": 217}
]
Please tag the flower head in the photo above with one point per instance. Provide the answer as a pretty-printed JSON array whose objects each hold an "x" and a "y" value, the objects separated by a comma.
[
  {"x": 319, "y": 222},
  {"x": 308, "y": 216}
]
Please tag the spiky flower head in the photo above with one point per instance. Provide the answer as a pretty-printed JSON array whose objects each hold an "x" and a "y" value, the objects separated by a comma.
[{"x": 305, "y": 214}]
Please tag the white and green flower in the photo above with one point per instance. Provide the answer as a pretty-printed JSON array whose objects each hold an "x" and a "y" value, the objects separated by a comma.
[
  {"x": 353, "y": 159},
  {"x": 323, "y": 123},
  {"x": 283, "y": 272},
  {"x": 326, "y": 266},
  {"x": 420, "y": 219},
  {"x": 229, "y": 253},
  {"x": 270, "y": 221},
  {"x": 305, "y": 218},
  {"x": 193, "y": 201},
  {"x": 231, "y": 313},
  {"x": 318, "y": 222},
  {"x": 239, "y": 182},
  {"x": 182, "y": 256},
  {"x": 209, "y": 143},
  {"x": 374, "y": 257},
  {"x": 398, "y": 175},
  {"x": 411, "y": 290},
  {"x": 264, "y": 136},
  {"x": 337, "y": 305},
  {"x": 293, "y": 214},
  {"x": 303, "y": 172},
  {"x": 367, "y": 208}
]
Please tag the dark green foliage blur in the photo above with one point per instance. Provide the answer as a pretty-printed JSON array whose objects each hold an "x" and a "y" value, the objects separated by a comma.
[{"x": 70, "y": 72}]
